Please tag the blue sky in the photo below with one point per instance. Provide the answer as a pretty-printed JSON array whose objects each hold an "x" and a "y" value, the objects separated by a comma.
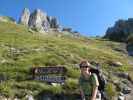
[{"x": 90, "y": 17}]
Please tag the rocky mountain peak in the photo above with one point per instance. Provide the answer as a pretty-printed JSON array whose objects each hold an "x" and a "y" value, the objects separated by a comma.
[
  {"x": 24, "y": 18},
  {"x": 39, "y": 20},
  {"x": 40, "y": 13}
]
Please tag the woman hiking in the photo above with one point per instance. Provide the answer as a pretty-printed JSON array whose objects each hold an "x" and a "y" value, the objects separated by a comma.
[{"x": 88, "y": 82}]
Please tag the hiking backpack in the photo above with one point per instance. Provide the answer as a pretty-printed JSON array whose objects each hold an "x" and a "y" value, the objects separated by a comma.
[{"x": 101, "y": 79}]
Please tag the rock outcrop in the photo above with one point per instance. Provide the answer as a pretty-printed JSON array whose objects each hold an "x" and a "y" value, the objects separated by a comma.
[
  {"x": 24, "y": 19},
  {"x": 39, "y": 21},
  {"x": 120, "y": 31},
  {"x": 54, "y": 22}
]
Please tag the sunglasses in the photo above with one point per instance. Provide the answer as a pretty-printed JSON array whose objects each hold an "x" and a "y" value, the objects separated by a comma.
[{"x": 85, "y": 66}]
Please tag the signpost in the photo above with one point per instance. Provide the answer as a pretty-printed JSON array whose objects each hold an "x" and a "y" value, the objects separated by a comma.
[
  {"x": 51, "y": 79},
  {"x": 49, "y": 70},
  {"x": 53, "y": 74}
]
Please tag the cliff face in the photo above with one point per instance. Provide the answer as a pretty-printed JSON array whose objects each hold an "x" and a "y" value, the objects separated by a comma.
[
  {"x": 120, "y": 31},
  {"x": 24, "y": 19},
  {"x": 39, "y": 20}
]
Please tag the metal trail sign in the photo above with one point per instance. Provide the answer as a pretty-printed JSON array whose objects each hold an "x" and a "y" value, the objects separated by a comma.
[{"x": 52, "y": 74}]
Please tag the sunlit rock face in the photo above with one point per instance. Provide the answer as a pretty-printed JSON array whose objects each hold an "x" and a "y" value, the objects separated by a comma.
[
  {"x": 24, "y": 18},
  {"x": 38, "y": 20}
]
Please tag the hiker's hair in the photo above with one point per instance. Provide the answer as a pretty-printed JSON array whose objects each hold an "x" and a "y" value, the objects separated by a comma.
[{"x": 84, "y": 63}]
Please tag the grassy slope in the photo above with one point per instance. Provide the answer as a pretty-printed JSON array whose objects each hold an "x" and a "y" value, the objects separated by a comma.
[{"x": 45, "y": 50}]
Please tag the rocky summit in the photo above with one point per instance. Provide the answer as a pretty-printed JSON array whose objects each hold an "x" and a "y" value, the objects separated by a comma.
[
  {"x": 24, "y": 19},
  {"x": 39, "y": 20}
]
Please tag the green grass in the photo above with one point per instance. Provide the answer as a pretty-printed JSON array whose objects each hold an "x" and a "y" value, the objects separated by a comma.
[
  {"x": 49, "y": 50},
  {"x": 110, "y": 90}
]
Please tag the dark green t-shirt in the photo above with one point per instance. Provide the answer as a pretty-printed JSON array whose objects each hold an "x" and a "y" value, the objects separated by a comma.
[{"x": 88, "y": 84}]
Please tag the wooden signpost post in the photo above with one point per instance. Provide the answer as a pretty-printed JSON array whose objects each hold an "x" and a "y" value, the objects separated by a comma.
[{"x": 52, "y": 74}]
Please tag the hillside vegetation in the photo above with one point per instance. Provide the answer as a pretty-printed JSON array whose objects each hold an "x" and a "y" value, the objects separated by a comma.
[
  {"x": 122, "y": 31},
  {"x": 22, "y": 49}
]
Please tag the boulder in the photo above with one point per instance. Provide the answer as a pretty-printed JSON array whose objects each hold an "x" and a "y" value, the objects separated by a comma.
[
  {"x": 29, "y": 97},
  {"x": 24, "y": 18},
  {"x": 55, "y": 84},
  {"x": 123, "y": 75},
  {"x": 126, "y": 90},
  {"x": 115, "y": 64},
  {"x": 121, "y": 96}
]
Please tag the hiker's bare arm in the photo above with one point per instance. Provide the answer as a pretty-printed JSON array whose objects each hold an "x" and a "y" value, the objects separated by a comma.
[
  {"x": 95, "y": 88},
  {"x": 94, "y": 93}
]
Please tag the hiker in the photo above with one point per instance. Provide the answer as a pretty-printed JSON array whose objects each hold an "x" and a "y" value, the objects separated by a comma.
[{"x": 88, "y": 82}]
